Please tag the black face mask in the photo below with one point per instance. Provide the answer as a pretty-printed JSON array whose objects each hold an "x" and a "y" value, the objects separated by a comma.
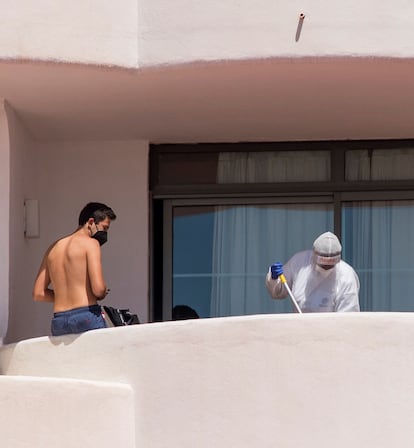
[{"x": 101, "y": 236}]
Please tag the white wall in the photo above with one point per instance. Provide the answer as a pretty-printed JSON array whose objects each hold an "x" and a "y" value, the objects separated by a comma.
[
  {"x": 97, "y": 31},
  {"x": 133, "y": 33},
  {"x": 68, "y": 175},
  {"x": 50, "y": 412},
  {"x": 312, "y": 380},
  {"x": 185, "y": 30}
]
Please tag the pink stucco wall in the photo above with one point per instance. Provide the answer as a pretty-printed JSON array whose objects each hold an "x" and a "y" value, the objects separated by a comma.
[{"x": 64, "y": 177}]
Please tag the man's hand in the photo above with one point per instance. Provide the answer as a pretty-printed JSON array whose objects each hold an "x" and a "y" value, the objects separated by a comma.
[{"x": 276, "y": 269}]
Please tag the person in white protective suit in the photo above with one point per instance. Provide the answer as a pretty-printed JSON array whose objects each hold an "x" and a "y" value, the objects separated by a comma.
[{"x": 320, "y": 281}]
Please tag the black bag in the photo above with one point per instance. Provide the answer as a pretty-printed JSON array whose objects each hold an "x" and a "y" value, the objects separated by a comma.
[{"x": 116, "y": 317}]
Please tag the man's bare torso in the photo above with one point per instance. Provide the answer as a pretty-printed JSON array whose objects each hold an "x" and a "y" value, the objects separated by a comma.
[{"x": 67, "y": 263}]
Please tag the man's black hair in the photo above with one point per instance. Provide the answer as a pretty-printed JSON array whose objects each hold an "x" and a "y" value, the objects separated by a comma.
[{"x": 97, "y": 211}]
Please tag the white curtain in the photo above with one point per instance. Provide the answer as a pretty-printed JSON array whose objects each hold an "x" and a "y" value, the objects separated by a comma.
[
  {"x": 378, "y": 242},
  {"x": 274, "y": 166},
  {"x": 247, "y": 239},
  {"x": 379, "y": 164},
  {"x": 378, "y": 236}
]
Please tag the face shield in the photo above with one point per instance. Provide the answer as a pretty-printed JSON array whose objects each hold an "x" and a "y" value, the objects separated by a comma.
[
  {"x": 327, "y": 252},
  {"x": 325, "y": 264}
]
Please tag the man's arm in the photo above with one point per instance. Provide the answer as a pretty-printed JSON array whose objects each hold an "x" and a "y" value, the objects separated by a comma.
[
  {"x": 94, "y": 264},
  {"x": 41, "y": 291}
]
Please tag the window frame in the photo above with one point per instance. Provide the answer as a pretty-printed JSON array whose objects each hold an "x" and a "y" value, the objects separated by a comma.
[{"x": 164, "y": 198}]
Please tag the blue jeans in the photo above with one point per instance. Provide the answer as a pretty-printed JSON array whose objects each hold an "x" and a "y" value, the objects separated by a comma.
[{"x": 77, "y": 320}]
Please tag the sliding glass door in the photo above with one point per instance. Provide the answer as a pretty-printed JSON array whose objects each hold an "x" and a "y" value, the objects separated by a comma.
[{"x": 221, "y": 253}]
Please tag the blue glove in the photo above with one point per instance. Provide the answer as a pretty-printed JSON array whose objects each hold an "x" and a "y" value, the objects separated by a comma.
[{"x": 276, "y": 269}]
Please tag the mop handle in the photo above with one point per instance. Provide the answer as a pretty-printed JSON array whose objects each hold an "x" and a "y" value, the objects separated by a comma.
[{"x": 283, "y": 280}]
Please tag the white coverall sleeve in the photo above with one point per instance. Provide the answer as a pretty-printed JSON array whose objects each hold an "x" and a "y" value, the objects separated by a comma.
[
  {"x": 348, "y": 293},
  {"x": 275, "y": 287}
]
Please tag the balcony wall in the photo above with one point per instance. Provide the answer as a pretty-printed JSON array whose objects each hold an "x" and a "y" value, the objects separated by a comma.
[
  {"x": 65, "y": 413},
  {"x": 316, "y": 380},
  {"x": 133, "y": 33}
]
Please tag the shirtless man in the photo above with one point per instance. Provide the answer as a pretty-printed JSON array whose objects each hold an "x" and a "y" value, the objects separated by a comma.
[{"x": 72, "y": 267}]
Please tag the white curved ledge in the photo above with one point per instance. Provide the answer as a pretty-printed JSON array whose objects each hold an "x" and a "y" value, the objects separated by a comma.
[
  {"x": 273, "y": 380},
  {"x": 50, "y": 412}
]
